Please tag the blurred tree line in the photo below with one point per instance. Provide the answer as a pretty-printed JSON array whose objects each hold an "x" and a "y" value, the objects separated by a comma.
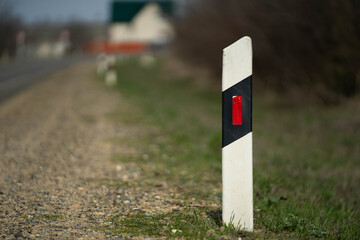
[
  {"x": 310, "y": 45},
  {"x": 41, "y": 31}
]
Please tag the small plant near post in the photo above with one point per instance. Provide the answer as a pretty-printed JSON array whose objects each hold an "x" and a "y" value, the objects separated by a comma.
[{"x": 237, "y": 160}]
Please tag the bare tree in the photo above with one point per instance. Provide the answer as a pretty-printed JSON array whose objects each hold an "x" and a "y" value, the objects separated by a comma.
[
  {"x": 9, "y": 26},
  {"x": 80, "y": 35}
]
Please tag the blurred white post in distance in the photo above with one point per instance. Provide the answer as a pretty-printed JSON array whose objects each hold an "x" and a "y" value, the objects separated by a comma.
[
  {"x": 110, "y": 78},
  {"x": 106, "y": 69},
  {"x": 111, "y": 75},
  {"x": 102, "y": 65},
  {"x": 237, "y": 159}
]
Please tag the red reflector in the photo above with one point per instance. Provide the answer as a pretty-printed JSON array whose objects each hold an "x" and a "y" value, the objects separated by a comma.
[{"x": 237, "y": 110}]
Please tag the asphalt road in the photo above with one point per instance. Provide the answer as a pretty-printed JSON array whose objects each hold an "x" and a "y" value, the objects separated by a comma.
[{"x": 15, "y": 76}]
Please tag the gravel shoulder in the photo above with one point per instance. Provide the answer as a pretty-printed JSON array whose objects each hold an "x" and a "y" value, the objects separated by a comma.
[{"x": 55, "y": 157}]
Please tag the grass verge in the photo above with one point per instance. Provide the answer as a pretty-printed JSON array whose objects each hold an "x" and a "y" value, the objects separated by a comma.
[{"x": 306, "y": 166}]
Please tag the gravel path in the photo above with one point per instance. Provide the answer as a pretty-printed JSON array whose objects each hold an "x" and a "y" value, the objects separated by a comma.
[
  {"x": 54, "y": 155},
  {"x": 58, "y": 178}
]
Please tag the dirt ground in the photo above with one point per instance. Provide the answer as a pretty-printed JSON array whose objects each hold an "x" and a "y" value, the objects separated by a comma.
[{"x": 55, "y": 155}]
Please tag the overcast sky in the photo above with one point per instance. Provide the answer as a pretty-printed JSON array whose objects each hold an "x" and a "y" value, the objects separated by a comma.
[{"x": 62, "y": 10}]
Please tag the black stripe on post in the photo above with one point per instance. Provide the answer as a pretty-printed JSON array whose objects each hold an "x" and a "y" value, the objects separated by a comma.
[{"x": 230, "y": 132}]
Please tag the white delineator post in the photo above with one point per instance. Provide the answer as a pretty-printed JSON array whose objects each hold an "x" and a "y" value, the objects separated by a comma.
[{"x": 237, "y": 154}]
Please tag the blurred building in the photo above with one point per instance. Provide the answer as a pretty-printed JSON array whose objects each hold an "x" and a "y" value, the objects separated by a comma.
[
  {"x": 138, "y": 25},
  {"x": 57, "y": 49},
  {"x": 145, "y": 21}
]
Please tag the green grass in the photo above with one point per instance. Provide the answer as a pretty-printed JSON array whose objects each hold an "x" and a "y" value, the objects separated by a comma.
[
  {"x": 189, "y": 224},
  {"x": 306, "y": 159}
]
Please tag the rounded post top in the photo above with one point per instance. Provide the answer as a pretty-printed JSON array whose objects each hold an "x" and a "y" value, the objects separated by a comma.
[{"x": 237, "y": 62}]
